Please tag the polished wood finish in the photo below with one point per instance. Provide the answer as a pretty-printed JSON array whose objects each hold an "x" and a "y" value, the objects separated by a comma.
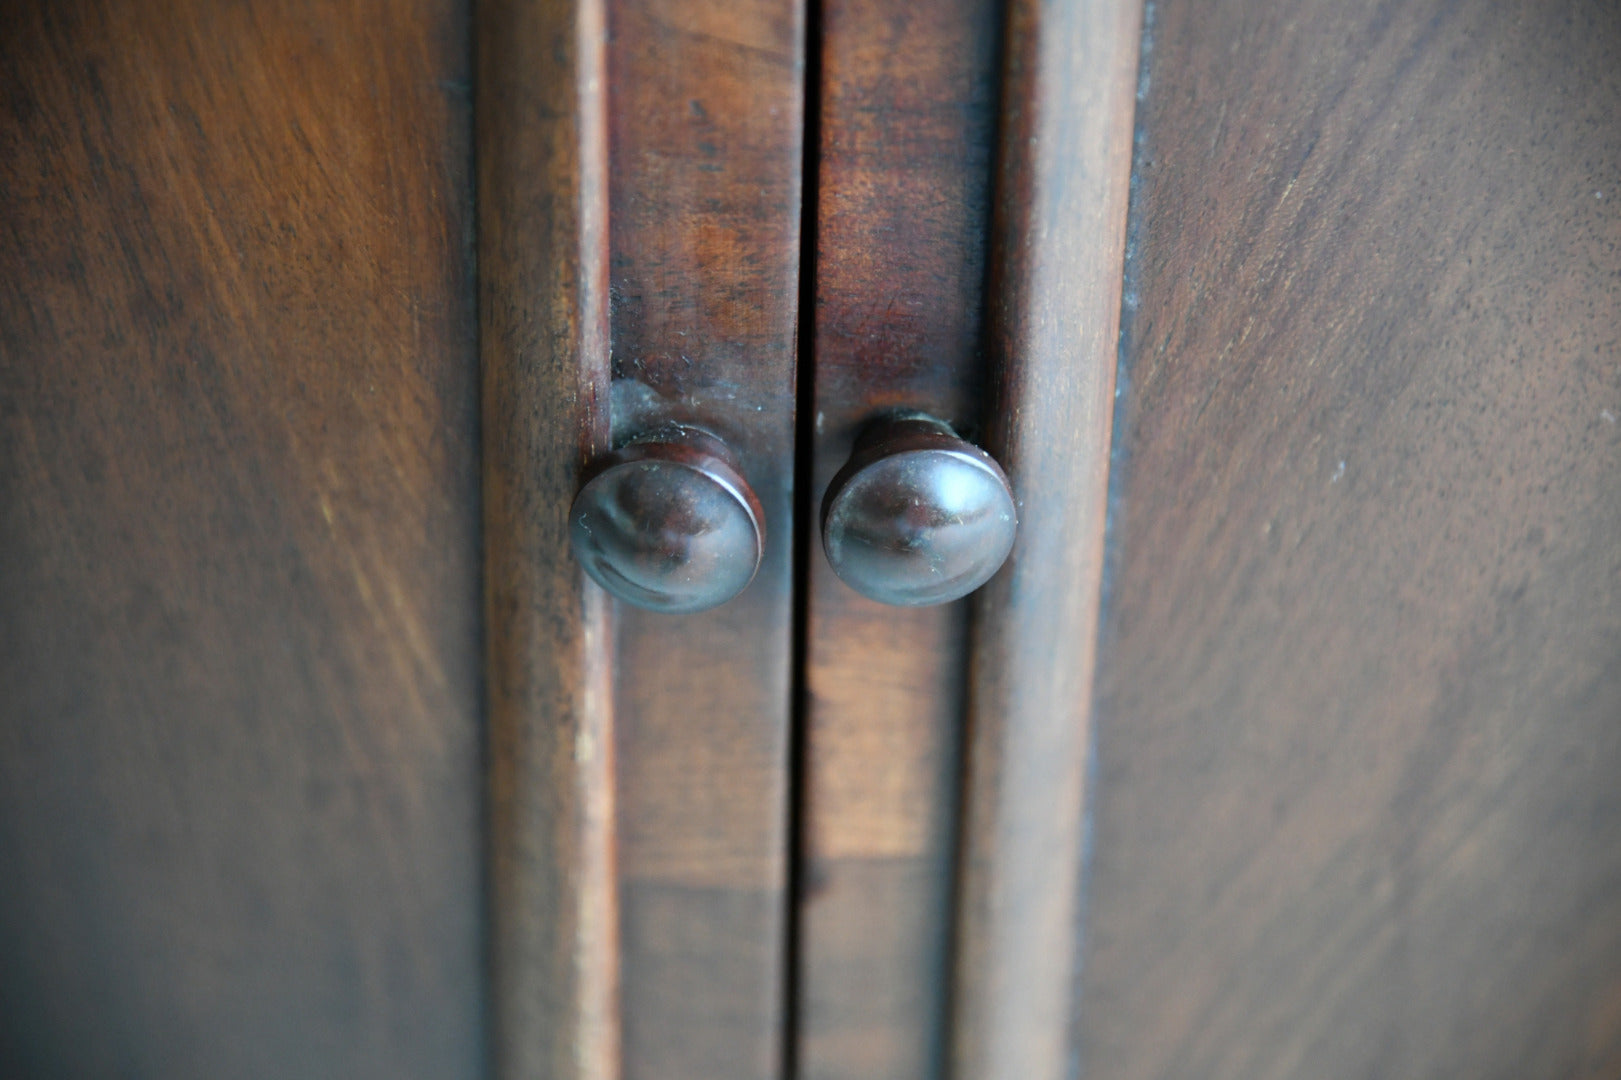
[
  {"x": 1357, "y": 809},
  {"x": 543, "y": 313},
  {"x": 906, "y": 123},
  {"x": 240, "y": 765},
  {"x": 707, "y": 114},
  {"x": 1055, "y": 293}
]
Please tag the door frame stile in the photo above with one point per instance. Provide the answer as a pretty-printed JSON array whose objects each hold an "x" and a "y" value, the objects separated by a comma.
[
  {"x": 1057, "y": 257},
  {"x": 542, "y": 205}
]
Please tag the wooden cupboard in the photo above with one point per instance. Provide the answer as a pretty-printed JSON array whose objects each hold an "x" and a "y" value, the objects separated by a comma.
[{"x": 1287, "y": 743}]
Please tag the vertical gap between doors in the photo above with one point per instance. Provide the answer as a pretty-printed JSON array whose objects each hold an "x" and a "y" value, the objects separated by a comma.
[
  {"x": 984, "y": 420},
  {"x": 805, "y": 532}
]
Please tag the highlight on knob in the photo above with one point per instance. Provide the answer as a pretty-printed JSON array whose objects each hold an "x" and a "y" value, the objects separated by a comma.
[
  {"x": 668, "y": 523},
  {"x": 918, "y": 515}
]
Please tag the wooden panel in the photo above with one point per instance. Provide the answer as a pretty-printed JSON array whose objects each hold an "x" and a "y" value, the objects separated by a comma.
[
  {"x": 543, "y": 281},
  {"x": 1357, "y": 809},
  {"x": 706, "y": 104},
  {"x": 239, "y": 745},
  {"x": 1055, "y": 293},
  {"x": 906, "y": 117}
]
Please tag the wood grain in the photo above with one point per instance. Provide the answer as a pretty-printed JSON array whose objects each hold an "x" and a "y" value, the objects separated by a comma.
[
  {"x": 706, "y": 109},
  {"x": 906, "y": 121},
  {"x": 543, "y": 278},
  {"x": 239, "y": 663},
  {"x": 1357, "y": 810},
  {"x": 1054, "y": 304}
]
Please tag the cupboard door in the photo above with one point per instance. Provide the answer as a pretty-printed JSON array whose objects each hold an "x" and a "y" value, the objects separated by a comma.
[
  {"x": 239, "y": 626},
  {"x": 905, "y": 123},
  {"x": 642, "y": 193},
  {"x": 1357, "y": 810},
  {"x": 970, "y": 223},
  {"x": 706, "y": 121}
]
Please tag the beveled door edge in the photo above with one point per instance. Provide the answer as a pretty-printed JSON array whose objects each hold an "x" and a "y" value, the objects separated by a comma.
[
  {"x": 541, "y": 160},
  {"x": 1057, "y": 258}
]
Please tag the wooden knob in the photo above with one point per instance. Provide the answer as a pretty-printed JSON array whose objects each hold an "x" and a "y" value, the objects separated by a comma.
[
  {"x": 917, "y": 516},
  {"x": 668, "y": 523}
]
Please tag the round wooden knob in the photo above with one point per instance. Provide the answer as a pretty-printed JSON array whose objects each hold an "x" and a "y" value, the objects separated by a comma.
[
  {"x": 668, "y": 523},
  {"x": 917, "y": 516}
]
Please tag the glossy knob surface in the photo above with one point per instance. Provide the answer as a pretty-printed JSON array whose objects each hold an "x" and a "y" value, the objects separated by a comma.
[
  {"x": 668, "y": 523},
  {"x": 917, "y": 516}
]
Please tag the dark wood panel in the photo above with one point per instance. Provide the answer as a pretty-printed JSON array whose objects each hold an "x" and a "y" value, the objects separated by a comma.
[
  {"x": 543, "y": 310},
  {"x": 906, "y": 121},
  {"x": 1357, "y": 810},
  {"x": 1057, "y": 247},
  {"x": 706, "y": 108},
  {"x": 239, "y": 740}
]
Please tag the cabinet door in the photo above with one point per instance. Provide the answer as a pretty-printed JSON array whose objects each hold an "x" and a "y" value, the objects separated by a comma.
[
  {"x": 969, "y": 222},
  {"x": 706, "y": 118},
  {"x": 905, "y": 149},
  {"x": 639, "y": 231},
  {"x": 240, "y": 754}
]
